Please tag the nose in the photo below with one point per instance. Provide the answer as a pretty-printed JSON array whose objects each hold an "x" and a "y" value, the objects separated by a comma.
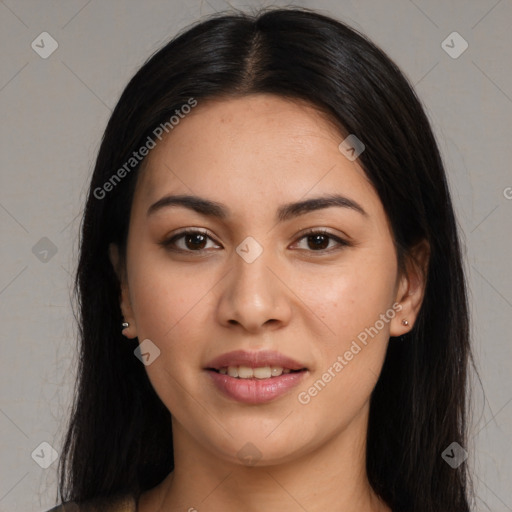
[{"x": 252, "y": 298}]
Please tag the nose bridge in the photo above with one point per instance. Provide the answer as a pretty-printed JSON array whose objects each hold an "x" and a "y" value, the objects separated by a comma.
[
  {"x": 251, "y": 278},
  {"x": 252, "y": 295}
]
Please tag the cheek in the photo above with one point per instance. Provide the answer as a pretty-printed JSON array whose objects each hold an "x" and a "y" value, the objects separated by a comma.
[
  {"x": 164, "y": 295},
  {"x": 355, "y": 302},
  {"x": 170, "y": 309},
  {"x": 173, "y": 306},
  {"x": 351, "y": 296}
]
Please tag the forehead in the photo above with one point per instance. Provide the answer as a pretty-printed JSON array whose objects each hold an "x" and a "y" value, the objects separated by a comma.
[{"x": 252, "y": 149}]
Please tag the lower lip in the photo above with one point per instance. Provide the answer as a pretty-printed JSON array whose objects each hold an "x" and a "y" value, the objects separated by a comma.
[{"x": 256, "y": 391}]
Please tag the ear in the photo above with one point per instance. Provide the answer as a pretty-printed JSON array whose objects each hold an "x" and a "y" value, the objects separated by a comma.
[
  {"x": 411, "y": 288},
  {"x": 125, "y": 302}
]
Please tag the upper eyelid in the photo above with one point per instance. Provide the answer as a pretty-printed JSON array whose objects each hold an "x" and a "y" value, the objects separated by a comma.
[{"x": 324, "y": 231}]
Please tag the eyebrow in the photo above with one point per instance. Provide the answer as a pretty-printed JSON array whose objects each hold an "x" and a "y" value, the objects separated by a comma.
[{"x": 285, "y": 212}]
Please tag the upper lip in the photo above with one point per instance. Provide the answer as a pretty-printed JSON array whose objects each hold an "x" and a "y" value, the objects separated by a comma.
[{"x": 254, "y": 360}]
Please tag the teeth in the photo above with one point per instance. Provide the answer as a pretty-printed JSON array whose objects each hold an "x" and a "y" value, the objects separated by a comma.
[
  {"x": 262, "y": 373},
  {"x": 276, "y": 371},
  {"x": 245, "y": 372}
]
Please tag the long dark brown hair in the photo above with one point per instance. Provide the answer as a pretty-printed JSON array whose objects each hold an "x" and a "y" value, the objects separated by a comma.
[{"x": 119, "y": 437}]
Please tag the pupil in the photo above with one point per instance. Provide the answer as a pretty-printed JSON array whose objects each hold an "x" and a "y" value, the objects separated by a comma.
[
  {"x": 196, "y": 239},
  {"x": 319, "y": 241}
]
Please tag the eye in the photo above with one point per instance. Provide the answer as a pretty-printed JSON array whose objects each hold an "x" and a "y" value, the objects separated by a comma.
[
  {"x": 193, "y": 240},
  {"x": 319, "y": 240},
  {"x": 188, "y": 241}
]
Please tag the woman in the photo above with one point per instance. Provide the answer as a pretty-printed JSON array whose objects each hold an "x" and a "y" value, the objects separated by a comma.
[{"x": 272, "y": 303}]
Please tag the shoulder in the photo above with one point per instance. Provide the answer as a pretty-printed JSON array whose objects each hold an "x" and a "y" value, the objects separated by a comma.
[{"x": 117, "y": 503}]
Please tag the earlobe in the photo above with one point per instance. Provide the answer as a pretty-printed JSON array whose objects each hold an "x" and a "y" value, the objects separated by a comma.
[
  {"x": 411, "y": 289},
  {"x": 128, "y": 326}
]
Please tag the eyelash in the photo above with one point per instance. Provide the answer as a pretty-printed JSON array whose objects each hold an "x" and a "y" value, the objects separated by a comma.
[{"x": 169, "y": 243}]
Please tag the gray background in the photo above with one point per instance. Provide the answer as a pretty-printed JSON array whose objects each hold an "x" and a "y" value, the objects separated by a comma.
[{"x": 54, "y": 112}]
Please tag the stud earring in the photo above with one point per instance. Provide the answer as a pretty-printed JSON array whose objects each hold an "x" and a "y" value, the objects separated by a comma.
[
  {"x": 405, "y": 322},
  {"x": 125, "y": 325}
]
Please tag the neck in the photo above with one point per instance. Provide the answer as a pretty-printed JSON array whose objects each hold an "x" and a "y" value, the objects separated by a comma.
[{"x": 330, "y": 477}]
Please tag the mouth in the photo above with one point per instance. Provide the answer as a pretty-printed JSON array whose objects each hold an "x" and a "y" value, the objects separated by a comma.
[
  {"x": 240, "y": 363},
  {"x": 261, "y": 372},
  {"x": 255, "y": 377}
]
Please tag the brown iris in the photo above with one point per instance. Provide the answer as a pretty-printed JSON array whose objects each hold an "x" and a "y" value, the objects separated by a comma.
[
  {"x": 195, "y": 241},
  {"x": 318, "y": 241}
]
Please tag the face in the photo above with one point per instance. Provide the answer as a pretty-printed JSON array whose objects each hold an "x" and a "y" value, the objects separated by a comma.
[{"x": 312, "y": 288}]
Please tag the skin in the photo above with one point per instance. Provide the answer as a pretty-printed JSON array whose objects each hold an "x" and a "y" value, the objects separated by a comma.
[{"x": 253, "y": 154}]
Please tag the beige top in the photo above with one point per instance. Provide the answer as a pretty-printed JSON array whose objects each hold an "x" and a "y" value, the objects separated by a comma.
[{"x": 118, "y": 503}]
